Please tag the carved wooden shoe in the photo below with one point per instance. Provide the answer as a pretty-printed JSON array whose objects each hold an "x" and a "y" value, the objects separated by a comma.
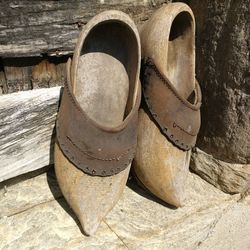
[
  {"x": 98, "y": 117},
  {"x": 170, "y": 119}
]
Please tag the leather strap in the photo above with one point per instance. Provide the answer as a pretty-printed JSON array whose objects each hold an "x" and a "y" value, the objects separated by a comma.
[
  {"x": 177, "y": 118},
  {"x": 94, "y": 149}
]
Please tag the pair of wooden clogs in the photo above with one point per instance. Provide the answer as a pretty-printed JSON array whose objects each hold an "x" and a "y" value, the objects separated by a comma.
[{"x": 99, "y": 128}]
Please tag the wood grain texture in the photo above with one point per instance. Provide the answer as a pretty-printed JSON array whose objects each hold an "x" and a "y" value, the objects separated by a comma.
[
  {"x": 26, "y": 73},
  {"x": 3, "y": 85},
  {"x": 27, "y": 121},
  {"x": 34, "y": 28}
]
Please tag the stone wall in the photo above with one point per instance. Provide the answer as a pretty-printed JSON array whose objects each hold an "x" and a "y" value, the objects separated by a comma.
[{"x": 223, "y": 70}]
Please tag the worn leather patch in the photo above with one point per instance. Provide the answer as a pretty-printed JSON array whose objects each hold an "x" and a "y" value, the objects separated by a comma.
[
  {"x": 178, "y": 119},
  {"x": 93, "y": 149}
]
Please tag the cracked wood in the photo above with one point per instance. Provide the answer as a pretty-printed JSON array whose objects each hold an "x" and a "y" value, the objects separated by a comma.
[
  {"x": 34, "y": 28},
  {"x": 27, "y": 130}
]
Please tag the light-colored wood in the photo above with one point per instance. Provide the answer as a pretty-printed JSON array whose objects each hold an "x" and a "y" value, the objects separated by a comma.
[
  {"x": 102, "y": 93},
  {"x": 51, "y": 27},
  {"x": 3, "y": 86},
  {"x": 27, "y": 121},
  {"x": 18, "y": 74},
  {"x": 159, "y": 165}
]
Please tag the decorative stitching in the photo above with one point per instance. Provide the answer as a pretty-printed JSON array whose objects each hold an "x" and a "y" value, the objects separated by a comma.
[
  {"x": 71, "y": 97},
  {"x": 149, "y": 63},
  {"x": 182, "y": 129},
  {"x": 172, "y": 137},
  {"x": 102, "y": 159},
  {"x": 174, "y": 123},
  {"x": 130, "y": 152}
]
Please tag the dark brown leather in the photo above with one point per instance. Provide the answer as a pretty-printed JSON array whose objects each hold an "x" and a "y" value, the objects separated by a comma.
[
  {"x": 177, "y": 118},
  {"x": 90, "y": 147}
]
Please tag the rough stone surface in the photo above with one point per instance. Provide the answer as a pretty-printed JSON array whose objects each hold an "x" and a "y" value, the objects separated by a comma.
[
  {"x": 231, "y": 226},
  {"x": 17, "y": 195},
  {"x": 230, "y": 178},
  {"x": 223, "y": 30},
  {"x": 138, "y": 221},
  {"x": 49, "y": 226}
]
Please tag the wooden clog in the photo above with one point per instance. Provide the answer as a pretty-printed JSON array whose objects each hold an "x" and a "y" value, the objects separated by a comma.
[
  {"x": 170, "y": 118},
  {"x": 97, "y": 120}
]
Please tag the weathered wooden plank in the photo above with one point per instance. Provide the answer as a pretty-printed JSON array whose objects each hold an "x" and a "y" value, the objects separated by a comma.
[
  {"x": 35, "y": 27},
  {"x": 17, "y": 78},
  {"x": 27, "y": 121},
  {"x": 3, "y": 86},
  {"x": 19, "y": 74}
]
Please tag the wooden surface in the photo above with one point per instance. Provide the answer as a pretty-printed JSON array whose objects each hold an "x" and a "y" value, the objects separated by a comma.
[
  {"x": 26, "y": 130},
  {"x": 35, "y": 28},
  {"x": 31, "y": 73}
]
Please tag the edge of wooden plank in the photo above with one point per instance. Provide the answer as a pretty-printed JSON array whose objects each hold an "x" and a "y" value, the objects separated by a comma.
[{"x": 27, "y": 130}]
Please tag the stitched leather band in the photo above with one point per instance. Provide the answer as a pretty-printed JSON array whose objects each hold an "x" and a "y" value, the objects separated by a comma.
[
  {"x": 177, "y": 118},
  {"x": 91, "y": 148}
]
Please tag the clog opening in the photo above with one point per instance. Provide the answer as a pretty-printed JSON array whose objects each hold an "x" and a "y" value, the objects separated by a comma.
[
  {"x": 106, "y": 73},
  {"x": 118, "y": 40},
  {"x": 181, "y": 26},
  {"x": 181, "y": 54}
]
